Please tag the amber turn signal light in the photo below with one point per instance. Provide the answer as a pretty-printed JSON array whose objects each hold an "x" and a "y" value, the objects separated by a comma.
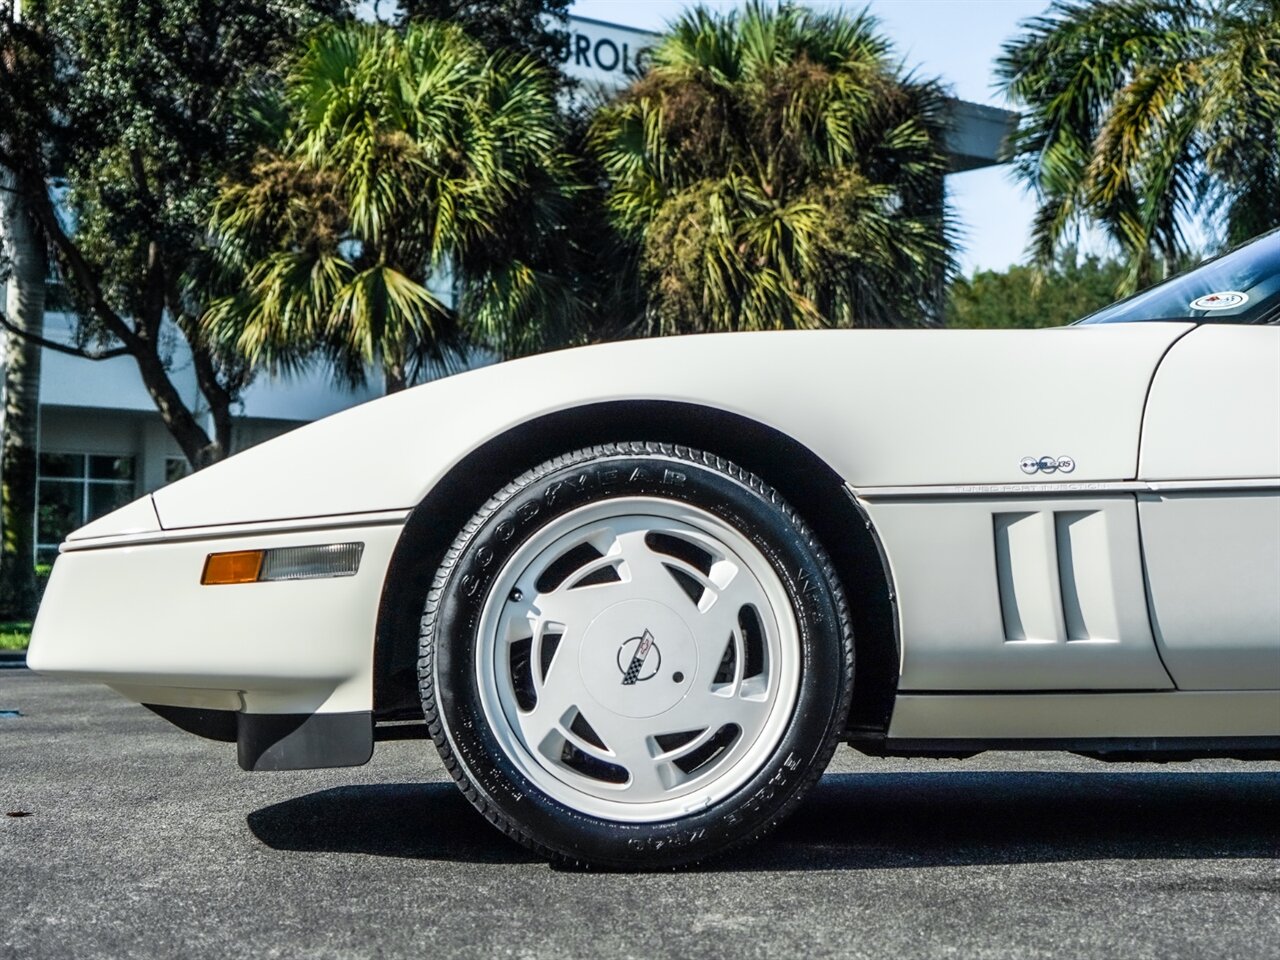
[
  {"x": 241, "y": 566},
  {"x": 311, "y": 562}
]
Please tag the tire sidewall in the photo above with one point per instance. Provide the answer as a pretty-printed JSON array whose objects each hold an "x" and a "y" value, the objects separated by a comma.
[{"x": 586, "y": 478}]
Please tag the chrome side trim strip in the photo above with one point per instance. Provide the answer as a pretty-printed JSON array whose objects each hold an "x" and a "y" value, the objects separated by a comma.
[
  {"x": 1181, "y": 486},
  {"x": 185, "y": 534},
  {"x": 1043, "y": 490},
  {"x": 1049, "y": 490}
]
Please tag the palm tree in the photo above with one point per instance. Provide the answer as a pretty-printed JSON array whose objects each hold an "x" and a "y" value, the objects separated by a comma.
[
  {"x": 775, "y": 168},
  {"x": 1138, "y": 114},
  {"x": 401, "y": 160}
]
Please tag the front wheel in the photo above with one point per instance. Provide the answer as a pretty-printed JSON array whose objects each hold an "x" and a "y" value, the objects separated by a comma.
[{"x": 635, "y": 655}]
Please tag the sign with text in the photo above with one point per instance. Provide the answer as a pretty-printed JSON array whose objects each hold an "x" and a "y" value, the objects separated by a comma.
[{"x": 604, "y": 54}]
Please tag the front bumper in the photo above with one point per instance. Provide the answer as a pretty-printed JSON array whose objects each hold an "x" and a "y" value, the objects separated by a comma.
[{"x": 131, "y": 613}]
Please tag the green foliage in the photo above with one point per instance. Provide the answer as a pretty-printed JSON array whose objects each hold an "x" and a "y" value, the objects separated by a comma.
[
  {"x": 157, "y": 122},
  {"x": 774, "y": 168},
  {"x": 15, "y": 636},
  {"x": 1025, "y": 296},
  {"x": 399, "y": 158},
  {"x": 1138, "y": 114},
  {"x": 117, "y": 120},
  {"x": 533, "y": 27}
]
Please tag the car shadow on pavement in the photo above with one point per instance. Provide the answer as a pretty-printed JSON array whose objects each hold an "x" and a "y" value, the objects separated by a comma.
[
  {"x": 426, "y": 821},
  {"x": 855, "y": 821}
]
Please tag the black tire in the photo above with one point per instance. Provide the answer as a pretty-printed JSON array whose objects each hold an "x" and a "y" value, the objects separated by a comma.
[{"x": 447, "y": 665}]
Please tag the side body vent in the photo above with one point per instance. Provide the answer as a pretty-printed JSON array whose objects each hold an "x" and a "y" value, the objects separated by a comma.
[{"x": 1055, "y": 577}]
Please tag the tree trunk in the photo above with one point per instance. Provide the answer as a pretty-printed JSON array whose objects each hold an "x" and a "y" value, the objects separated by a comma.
[
  {"x": 24, "y": 308},
  {"x": 183, "y": 425},
  {"x": 394, "y": 378},
  {"x": 141, "y": 342}
]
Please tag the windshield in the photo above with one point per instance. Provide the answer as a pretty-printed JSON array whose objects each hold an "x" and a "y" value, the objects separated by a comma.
[{"x": 1242, "y": 286}]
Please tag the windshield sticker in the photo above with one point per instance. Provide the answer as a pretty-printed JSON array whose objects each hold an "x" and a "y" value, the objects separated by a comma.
[{"x": 1220, "y": 301}]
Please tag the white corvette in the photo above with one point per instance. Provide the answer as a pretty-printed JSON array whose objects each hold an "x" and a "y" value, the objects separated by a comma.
[{"x": 640, "y": 591}]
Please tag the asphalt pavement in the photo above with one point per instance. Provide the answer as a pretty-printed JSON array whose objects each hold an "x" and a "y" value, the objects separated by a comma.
[{"x": 137, "y": 840}]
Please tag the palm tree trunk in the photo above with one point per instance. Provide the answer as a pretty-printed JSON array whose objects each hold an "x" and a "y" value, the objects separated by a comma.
[{"x": 20, "y": 408}]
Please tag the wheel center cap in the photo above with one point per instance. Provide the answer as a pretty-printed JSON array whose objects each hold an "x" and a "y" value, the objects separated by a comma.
[{"x": 638, "y": 658}]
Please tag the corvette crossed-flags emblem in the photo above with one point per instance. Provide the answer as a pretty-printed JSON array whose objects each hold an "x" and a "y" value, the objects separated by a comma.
[{"x": 637, "y": 659}]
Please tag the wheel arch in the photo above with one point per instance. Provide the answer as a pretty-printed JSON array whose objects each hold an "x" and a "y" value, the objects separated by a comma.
[{"x": 803, "y": 478}]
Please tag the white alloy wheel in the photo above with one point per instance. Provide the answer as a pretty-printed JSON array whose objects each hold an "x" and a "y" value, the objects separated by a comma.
[
  {"x": 638, "y": 659},
  {"x": 635, "y": 655}
]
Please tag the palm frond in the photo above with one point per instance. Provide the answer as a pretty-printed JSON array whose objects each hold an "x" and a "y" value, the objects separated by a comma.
[
  {"x": 409, "y": 158},
  {"x": 739, "y": 162},
  {"x": 1139, "y": 114}
]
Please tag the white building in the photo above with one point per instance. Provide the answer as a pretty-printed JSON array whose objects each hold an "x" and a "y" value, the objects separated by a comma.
[{"x": 102, "y": 443}]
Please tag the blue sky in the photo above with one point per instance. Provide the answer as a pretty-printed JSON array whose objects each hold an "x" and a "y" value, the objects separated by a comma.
[{"x": 954, "y": 40}]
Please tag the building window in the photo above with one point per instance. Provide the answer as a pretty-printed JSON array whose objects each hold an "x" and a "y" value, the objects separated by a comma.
[{"x": 75, "y": 488}]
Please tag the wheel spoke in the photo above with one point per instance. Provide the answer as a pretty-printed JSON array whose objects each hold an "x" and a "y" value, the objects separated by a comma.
[
  {"x": 567, "y": 604},
  {"x": 707, "y": 710},
  {"x": 586, "y": 746},
  {"x": 628, "y": 745},
  {"x": 577, "y": 607},
  {"x": 688, "y": 745},
  {"x": 559, "y": 696},
  {"x": 646, "y": 573},
  {"x": 734, "y": 590}
]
